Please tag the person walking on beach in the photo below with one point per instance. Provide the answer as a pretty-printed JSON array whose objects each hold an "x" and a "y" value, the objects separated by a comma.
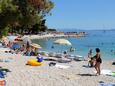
[{"x": 98, "y": 61}]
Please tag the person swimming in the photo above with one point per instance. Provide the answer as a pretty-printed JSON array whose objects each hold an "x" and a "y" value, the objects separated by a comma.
[
  {"x": 52, "y": 46},
  {"x": 72, "y": 49}
]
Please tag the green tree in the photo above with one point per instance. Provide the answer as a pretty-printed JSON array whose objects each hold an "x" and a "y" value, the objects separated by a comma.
[
  {"x": 22, "y": 15},
  {"x": 8, "y": 15},
  {"x": 32, "y": 12}
]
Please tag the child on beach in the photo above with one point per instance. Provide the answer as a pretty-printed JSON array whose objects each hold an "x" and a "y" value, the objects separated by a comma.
[
  {"x": 90, "y": 58},
  {"x": 90, "y": 53}
]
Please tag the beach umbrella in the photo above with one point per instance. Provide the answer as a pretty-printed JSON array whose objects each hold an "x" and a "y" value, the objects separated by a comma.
[
  {"x": 12, "y": 38},
  {"x": 16, "y": 46},
  {"x": 62, "y": 41},
  {"x": 35, "y": 45}
]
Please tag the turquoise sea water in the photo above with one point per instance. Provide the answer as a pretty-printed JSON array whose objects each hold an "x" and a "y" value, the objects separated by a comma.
[{"x": 105, "y": 40}]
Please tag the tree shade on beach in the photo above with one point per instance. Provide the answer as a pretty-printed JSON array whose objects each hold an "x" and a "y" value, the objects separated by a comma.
[{"x": 22, "y": 15}]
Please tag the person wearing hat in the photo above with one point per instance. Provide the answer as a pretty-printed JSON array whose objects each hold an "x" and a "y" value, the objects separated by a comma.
[{"x": 35, "y": 48}]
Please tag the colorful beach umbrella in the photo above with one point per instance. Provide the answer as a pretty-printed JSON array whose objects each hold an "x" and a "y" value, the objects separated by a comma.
[
  {"x": 16, "y": 46},
  {"x": 12, "y": 38}
]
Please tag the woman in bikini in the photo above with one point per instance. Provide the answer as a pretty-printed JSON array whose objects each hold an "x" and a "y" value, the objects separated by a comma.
[{"x": 98, "y": 61}]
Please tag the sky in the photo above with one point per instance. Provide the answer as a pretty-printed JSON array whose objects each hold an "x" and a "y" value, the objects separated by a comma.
[{"x": 82, "y": 14}]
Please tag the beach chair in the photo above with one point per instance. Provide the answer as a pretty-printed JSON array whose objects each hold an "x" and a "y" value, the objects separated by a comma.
[
  {"x": 59, "y": 55},
  {"x": 71, "y": 57},
  {"x": 78, "y": 58},
  {"x": 52, "y": 54}
]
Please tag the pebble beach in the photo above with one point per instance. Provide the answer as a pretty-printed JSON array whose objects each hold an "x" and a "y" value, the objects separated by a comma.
[{"x": 78, "y": 74}]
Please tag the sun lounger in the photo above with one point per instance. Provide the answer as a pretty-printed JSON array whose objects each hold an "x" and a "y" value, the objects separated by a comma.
[
  {"x": 3, "y": 50},
  {"x": 59, "y": 55},
  {"x": 78, "y": 58},
  {"x": 61, "y": 66},
  {"x": 107, "y": 72},
  {"x": 70, "y": 57},
  {"x": 64, "y": 60},
  {"x": 52, "y": 54}
]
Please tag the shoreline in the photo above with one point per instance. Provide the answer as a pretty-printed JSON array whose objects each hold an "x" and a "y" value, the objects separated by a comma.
[{"x": 54, "y": 36}]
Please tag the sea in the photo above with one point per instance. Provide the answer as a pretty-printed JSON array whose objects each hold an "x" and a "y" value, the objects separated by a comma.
[{"x": 103, "y": 39}]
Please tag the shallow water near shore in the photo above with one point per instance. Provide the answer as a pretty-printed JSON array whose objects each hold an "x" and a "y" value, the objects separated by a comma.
[{"x": 105, "y": 40}]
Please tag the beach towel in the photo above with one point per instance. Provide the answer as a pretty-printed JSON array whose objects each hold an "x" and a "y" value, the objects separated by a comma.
[
  {"x": 107, "y": 72},
  {"x": 2, "y": 74},
  {"x": 107, "y": 84},
  {"x": 61, "y": 66}
]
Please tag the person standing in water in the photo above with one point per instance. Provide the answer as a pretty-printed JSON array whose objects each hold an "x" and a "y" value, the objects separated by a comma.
[{"x": 98, "y": 61}]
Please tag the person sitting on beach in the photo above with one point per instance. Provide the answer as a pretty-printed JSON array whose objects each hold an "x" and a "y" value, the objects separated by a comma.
[
  {"x": 98, "y": 61},
  {"x": 28, "y": 51},
  {"x": 17, "y": 51},
  {"x": 90, "y": 58},
  {"x": 23, "y": 48},
  {"x": 34, "y": 51},
  {"x": 91, "y": 62}
]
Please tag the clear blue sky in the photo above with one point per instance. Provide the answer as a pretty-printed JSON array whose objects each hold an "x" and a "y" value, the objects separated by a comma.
[{"x": 82, "y": 14}]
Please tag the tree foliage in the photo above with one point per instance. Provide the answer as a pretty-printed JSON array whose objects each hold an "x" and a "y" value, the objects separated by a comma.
[{"x": 20, "y": 15}]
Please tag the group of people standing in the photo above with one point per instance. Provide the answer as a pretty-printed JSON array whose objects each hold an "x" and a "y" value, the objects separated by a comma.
[{"x": 95, "y": 61}]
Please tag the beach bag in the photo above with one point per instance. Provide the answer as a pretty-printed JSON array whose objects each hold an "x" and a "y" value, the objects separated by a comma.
[
  {"x": 113, "y": 63},
  {"x": 39, "y": 59},
  {"x": 1, "y": 74}
]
